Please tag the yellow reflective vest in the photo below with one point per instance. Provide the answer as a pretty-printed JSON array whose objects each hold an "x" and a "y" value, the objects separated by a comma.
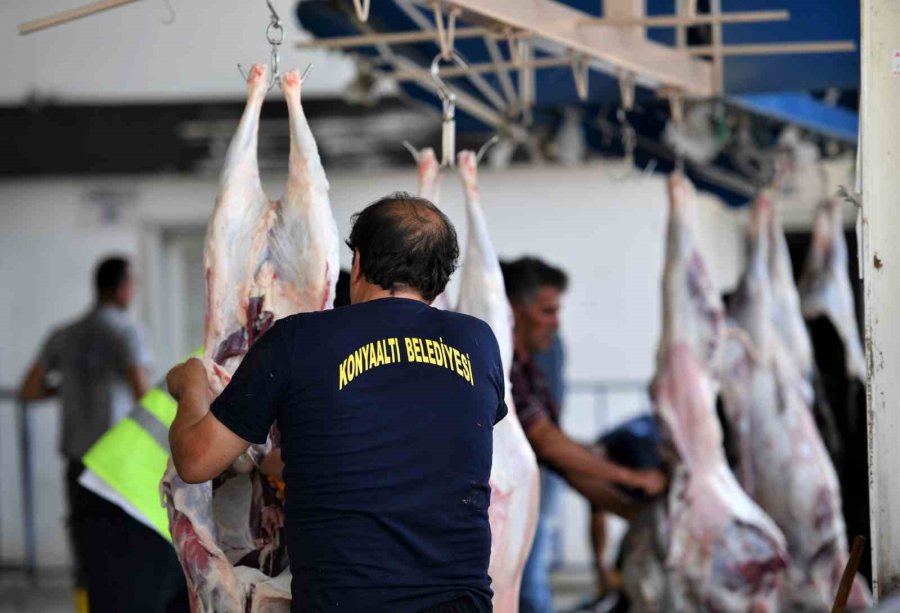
[{"x": 131, "y": 456}]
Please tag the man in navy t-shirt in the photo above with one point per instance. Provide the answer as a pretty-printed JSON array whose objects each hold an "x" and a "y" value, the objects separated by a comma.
[{"x": 386, "y": 410}]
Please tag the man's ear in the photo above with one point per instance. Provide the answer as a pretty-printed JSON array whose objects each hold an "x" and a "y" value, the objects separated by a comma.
[{"x": 355, "y": 270}]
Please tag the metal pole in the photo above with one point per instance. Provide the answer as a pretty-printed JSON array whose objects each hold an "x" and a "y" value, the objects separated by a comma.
[{"x": 27, "y": 492}]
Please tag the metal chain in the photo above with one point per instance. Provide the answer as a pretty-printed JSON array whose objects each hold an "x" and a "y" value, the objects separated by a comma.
[{"x": 275, "y": 36}]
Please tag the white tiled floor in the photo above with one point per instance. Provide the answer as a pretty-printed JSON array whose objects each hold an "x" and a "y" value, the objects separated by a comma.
[{"x": 50, "y": 593}]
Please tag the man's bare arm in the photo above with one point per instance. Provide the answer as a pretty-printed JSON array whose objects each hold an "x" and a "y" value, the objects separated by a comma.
[
  {"x": 34, "y": 385},
  {"x": 590, "y": 475},
  {"x": 139, "y": 380},
  {"x": 202, "y": 446}
]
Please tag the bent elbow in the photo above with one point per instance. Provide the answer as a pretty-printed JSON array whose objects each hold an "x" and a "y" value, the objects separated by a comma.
[
  {"x": 187, "y": 471},
  {"x": 186, "y": 463}
]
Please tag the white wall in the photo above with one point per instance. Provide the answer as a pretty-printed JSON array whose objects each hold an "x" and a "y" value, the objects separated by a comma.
[
  {"x": 128, "y": 54},
  {"x": 606, "y": 232}
]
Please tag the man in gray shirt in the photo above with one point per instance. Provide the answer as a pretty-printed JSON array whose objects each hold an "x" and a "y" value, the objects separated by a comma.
[{"x": 98, "y": 366}]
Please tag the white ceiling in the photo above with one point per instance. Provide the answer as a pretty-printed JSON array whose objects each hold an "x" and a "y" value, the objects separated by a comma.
[{"x": 129, "y": 54}]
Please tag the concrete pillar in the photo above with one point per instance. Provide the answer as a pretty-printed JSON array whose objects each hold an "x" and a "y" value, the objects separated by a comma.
[{"x": 880, "y": 149}]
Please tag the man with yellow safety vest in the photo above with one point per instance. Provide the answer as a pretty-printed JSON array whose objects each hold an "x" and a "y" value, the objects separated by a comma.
[{"x": 114, "y": 426}]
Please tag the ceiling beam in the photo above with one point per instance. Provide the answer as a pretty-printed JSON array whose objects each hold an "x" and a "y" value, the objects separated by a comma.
[
  {"x": 828, "y": 46},
  {"x": 64, "y": 17},
  {"x": 626, "y": 11},
  {"x": 610, "y": 47},
  {"x": 664, "y": 21}
]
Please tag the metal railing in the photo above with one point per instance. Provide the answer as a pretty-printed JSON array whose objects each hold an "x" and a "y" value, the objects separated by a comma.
[
  {"x": 601, "y": 393},
  {"x": 9, "y": 396}
]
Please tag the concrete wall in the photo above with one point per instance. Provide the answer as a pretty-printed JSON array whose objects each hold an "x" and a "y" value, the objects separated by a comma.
[
  {"x": 607, "y": 232},
  {"x": 129, "y": 54}
]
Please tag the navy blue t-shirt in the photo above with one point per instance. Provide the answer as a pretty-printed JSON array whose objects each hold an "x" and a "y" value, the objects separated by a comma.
[{"x": 386, "y": 411}]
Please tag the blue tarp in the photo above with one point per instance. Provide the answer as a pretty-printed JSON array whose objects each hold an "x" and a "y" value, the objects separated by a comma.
[
  {"x": 810, "y": 21},
  {"x": 804, "y": 110}
]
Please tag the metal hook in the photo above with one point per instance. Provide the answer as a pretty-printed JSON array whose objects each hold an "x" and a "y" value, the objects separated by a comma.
[
  {"x": 171, "y": 18},
  {"x": 443, "y": 89},
  {"x": 274, "y": 36},
  {"x": 580, "y": 74},
  {"x": 413, "y": 151},
  {"x": 629, "y": 136},
  {"x": 274, "y": 13},
  {"x": 626, "y": 89},
  {"x": 484, "y": 148},
  {"x": 448, "y": 100}
]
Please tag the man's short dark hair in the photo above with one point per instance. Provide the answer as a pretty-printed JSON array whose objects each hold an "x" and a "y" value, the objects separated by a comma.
[
  {"x": 110, "y": 274},
  {"x": 525, "y": 276},
  {"x": 404, "y": 240}
]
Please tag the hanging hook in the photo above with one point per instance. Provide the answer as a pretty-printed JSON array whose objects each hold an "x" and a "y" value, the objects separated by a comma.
[
  {"x": 413, "y": 151},
  {"x": 448, "y": 100},
  {"x": 580, "y": 74},
  {"x": 274, "y": 36},
  {"x": 629, "y": 137},
  {"x": 273, "y": 12},
  {"x": 484, "y": 148},
  {"x": 362, "y": 9},
  {"x": 170, "y": 19},
  {"x": 626, "y": 89}
]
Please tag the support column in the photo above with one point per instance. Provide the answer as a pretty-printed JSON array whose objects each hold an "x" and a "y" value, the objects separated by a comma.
[{"x": 880, "y": 149}]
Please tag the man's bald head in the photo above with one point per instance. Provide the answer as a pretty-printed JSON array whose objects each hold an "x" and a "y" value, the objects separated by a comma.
[{"x": 405, "y": 241}]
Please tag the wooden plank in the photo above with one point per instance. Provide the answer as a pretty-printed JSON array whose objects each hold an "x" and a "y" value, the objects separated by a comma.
[
  {"x": 835, "y": 46},
  {"x": 662, "y": 21},
  {"x": 415, "y": 74},
  {"x": 627, "y": 13},
  {"x": 880, "y": 148},
  {"x": 419, "y": 36},
  {"x": 654, "y": 64},
  {"x": 390, "y": 38},
  {"x": 71, "y": 15}
]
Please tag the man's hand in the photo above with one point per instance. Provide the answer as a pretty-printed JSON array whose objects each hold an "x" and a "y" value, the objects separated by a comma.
[
  {"x": 34, "y": 385},
  {"x": 189, "y": 376},
  {"x": 652, "y": 481}
]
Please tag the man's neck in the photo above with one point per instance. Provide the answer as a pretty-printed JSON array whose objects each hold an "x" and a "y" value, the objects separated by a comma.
[
  {"x": 109, "y": 304},
  {"x": 374, "y": 292}
]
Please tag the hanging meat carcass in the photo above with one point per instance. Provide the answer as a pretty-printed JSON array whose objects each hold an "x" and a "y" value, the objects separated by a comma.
[
  {"x": 782, "y": 461},
  {"x": 825, "y": 285},
  {"x": 429, "y": 173},
  {"x": 264, "y": 260},
  {"x": 787, "y": 318},
  {"x": 514, "y": 474},
  {"x": 786, "y": 315},
  {"x": 828, "y": 306},
  {"x": 707, "y": 545}
]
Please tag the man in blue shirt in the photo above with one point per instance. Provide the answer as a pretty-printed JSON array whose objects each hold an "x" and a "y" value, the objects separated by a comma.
[
  {"x": 386, "y": 410},
  {"x": 535, "y": 290}
]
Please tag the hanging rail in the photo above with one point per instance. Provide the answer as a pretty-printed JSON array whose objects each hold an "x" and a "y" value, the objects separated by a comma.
[
  {"x": 662, "y": 21},
  {"x": 71, "y": 15}
]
